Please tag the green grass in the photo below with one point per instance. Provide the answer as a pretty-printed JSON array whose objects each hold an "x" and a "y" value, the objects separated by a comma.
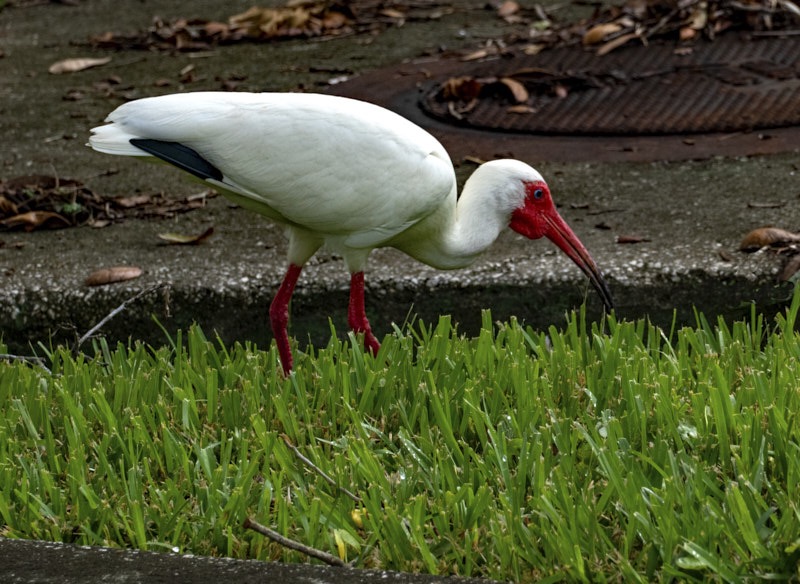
[{"x": 600, "y": 452}]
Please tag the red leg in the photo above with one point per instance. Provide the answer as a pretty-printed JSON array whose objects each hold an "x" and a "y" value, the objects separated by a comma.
[
  {"x": 356, "y": 314},
  {"x": 279, "y": 316}
]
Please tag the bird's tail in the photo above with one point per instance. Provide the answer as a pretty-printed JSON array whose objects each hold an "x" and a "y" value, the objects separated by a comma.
[{"x": 113, "y": 139}]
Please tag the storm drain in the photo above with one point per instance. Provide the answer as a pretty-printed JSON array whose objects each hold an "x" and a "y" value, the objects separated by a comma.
[{"x": 728, "y": 85}]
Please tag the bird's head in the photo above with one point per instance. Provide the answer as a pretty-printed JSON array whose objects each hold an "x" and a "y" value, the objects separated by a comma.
[{"x": 534, "y": 215}]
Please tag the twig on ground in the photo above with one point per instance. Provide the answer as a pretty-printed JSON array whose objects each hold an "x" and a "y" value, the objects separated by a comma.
[
  {"x": 37, "y": 360},
  {"x": 92, "y": 331},
  {"x": 329, "y": 559},
  {"x": 318, "y": 470}
]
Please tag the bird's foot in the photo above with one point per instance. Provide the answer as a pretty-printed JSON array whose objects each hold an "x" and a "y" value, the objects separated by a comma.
[{"x": 371, "y": 344}]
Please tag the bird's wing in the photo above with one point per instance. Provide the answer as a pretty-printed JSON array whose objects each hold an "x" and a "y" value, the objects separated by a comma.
[{"x": 331, "y": 165}]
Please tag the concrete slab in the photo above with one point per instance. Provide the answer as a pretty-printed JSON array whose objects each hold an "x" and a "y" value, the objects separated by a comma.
[
  {"x": 688, "y": 211},
  {"x": 692, "y": 214}
]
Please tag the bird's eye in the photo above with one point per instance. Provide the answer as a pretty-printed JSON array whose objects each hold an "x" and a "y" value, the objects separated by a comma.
[{"x": 537, "y": 194}]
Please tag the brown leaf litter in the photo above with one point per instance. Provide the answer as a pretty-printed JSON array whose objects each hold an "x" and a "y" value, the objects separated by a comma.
[
  {"x": 186, "y": 239},
  {"x": 296, "y": 19},
  {"x": 48, "y": 202},
  {"x": 113, "y": 275},
  {"x": 780, "y": 241},
  {"x": 76, "y": 64}
]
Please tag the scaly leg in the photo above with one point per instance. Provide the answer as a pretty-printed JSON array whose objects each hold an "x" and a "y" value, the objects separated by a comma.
[
  {"x": 279, "y": 316},
  {"x": 356, "y": 314}
]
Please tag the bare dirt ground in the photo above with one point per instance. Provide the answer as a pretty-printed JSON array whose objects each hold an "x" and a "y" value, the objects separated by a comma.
[{"x": 689, "y": 216}]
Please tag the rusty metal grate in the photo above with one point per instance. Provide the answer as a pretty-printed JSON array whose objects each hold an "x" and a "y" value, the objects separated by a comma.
[{"x": 728, "y": 85}]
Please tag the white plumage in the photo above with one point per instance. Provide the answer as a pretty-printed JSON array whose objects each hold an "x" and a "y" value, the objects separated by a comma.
[{"x": 343, "y": 173}]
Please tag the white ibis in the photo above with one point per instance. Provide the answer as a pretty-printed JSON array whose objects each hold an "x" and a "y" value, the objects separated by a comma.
[{"x": 344, "y": 173}]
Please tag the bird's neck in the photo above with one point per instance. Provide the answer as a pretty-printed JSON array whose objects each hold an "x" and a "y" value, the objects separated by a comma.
[{"x": 459, "y": 232}]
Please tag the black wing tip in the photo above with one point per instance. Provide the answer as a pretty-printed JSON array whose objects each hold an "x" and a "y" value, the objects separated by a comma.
[{"x": 179, "y": 155}]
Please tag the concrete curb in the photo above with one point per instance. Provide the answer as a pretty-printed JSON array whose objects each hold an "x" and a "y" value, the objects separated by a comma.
[{"x": 39, "y": 562}]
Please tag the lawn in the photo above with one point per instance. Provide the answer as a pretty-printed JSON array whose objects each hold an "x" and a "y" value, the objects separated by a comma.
[{"x": 613, "y": 451}]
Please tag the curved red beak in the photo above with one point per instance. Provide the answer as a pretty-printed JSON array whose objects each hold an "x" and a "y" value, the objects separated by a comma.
[{"x": 557, "y": 231}]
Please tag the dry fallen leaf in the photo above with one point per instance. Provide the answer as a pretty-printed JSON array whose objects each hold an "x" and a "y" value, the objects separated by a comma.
[
  {"x": 392, "y": 13},
  {"x": 517, "y": 89},
  {"x": 181, "y": 239},
  {"x": 133, "y": 201},
  {"x": 112, "y": 275},
  {"x": 790, "y": 269},
  {"x": 35, "y": 219},
  {"x": 534, "y": 48},
  {"x": 474, "y": 160},
  {"x": 77, "y": 64},
  {"x": 616, "y": 43},
  {"x": 699, "y": 18},
  {"x": 214, "y": 28},
  {"x": 293, "y": 20},
  {"x": 507, "y": 8},
  {"x": 599, "y": 32},
  {"x": 725, "y": 255},
  {"x": 7, "y": 207},
  {"x": 475, "y": 55},
  {"x": 631, "y": 239},
  {"x": 520, "y": 109},
  {"x": 767, "y": 237},
  {"x": 98, "y": 223},
  {"x": 461, "y": 89}
]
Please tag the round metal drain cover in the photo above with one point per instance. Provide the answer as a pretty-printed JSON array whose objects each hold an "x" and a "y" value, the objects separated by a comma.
[{"x": 727, "y": 85}]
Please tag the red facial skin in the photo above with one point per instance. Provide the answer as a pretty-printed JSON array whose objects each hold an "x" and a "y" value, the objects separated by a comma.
[
  {"x": 538, "y": 218},
  {"x": 529, "y": 220}
]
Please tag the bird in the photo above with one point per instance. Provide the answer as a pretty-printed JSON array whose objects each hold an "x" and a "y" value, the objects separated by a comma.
[{"x": 343, "y": 173}]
